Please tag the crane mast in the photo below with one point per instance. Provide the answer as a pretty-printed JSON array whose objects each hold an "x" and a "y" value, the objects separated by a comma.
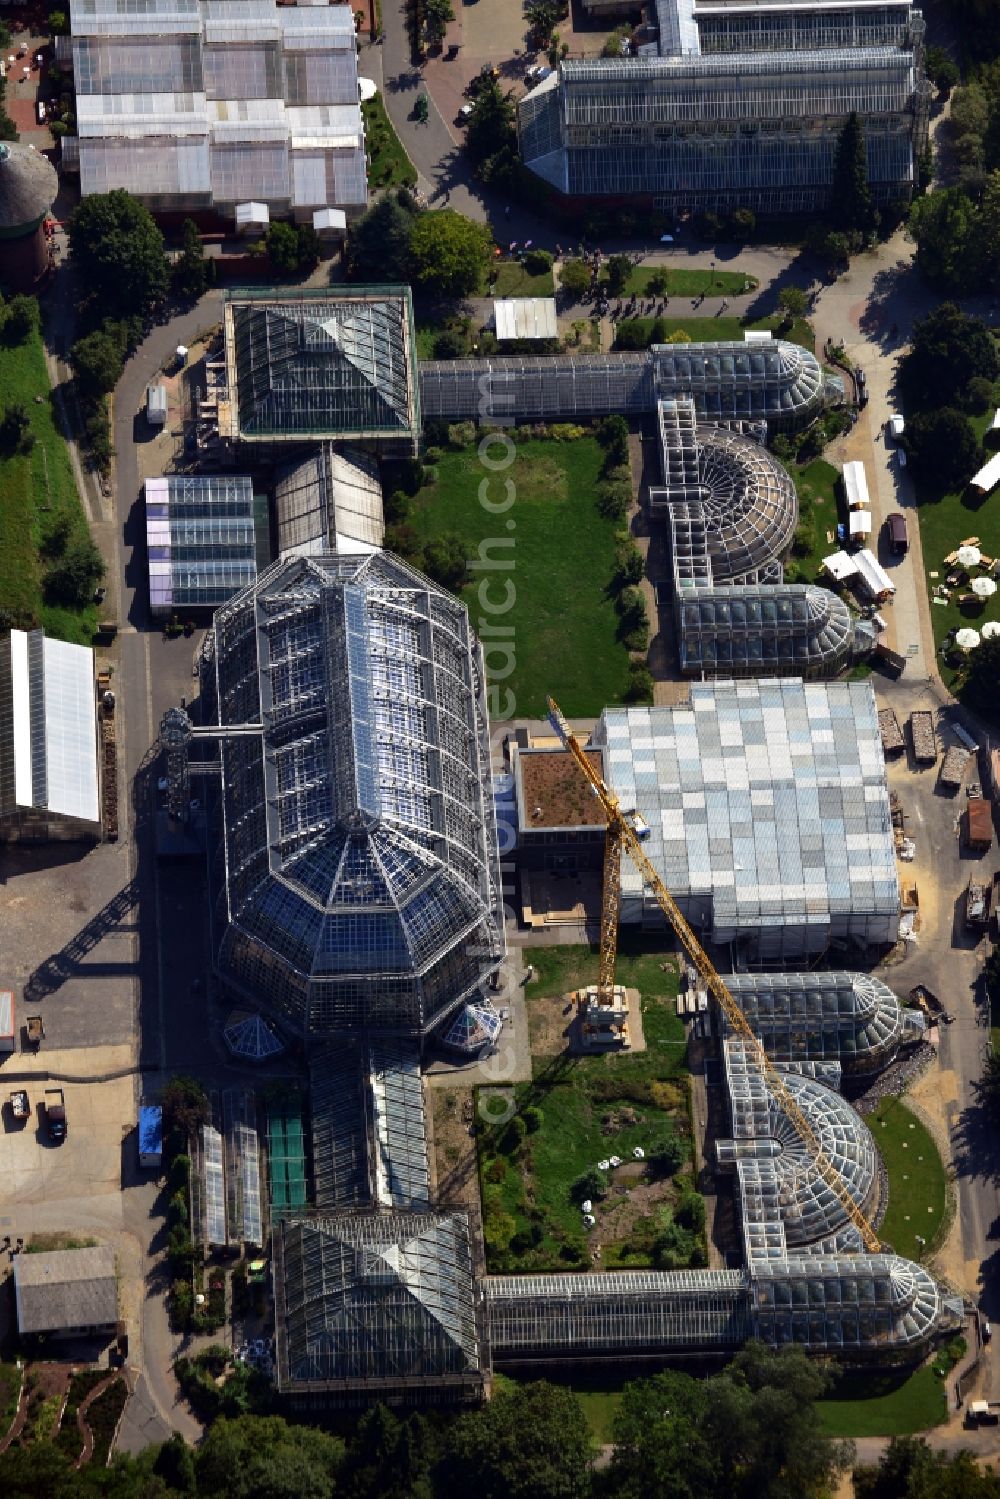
[{"x": 622, "y": 836}]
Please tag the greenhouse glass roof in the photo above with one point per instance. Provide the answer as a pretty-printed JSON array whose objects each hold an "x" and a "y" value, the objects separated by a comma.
[
  {"x": 335, "y": 363},
  {"x": 359, "y": 838},
  {"x": 767, "y": 806},
  {"x": 474, "y": 1028},
  {"x": 201, "y": 543},
  {"x": 329, "y": 501},
  {"x": 850, "y": 1018},
  {"x": 253, "y": 1039},
  {"x": 378, "y": 1300},
  {"x": 735, "y": 631}
]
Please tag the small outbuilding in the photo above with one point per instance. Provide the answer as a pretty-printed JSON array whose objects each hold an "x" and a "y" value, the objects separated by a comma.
[
  {"x": 525, "y": 317},
  {"x": 67, "y": 1293},
  {"x": 156, "y": 404},
  {"x": 7, "y": 1031}
]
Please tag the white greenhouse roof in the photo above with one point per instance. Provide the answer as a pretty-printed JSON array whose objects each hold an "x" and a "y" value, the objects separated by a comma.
[
  {"x": 766, "y": 801},
  {"x": 525, "y": 317},
  {"x": 989, "y": 474},
  {"x": 329, "y": 218},
  {"x": 53, "y": 721}
]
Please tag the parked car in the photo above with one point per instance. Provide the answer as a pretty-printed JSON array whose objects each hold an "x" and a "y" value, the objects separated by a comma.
[
  {"x": 896, "y": 426},
  {"x": 41, "y": 111},
  {"x": 895, "y": 530},
  {"x": 464, "y": 112},
  {"x": 987, "y": 1332},
  {"x": 900, "y": 458}
]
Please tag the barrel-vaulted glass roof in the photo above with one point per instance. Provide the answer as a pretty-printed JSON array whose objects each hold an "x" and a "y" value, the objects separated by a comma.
[{"x": 751, "y": 631}]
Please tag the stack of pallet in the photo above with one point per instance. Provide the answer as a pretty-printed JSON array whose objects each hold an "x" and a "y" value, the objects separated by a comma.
[{"x": 954, "y": 766}]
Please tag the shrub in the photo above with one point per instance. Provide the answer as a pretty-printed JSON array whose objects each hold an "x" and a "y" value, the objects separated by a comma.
[
  {"x": 667, "y": 1156},
  {"x": 461, "y": 434},
  {"x": 180, "y": 1174},
  {"x": 397, "y": 508},
  {"x": 567, "y": 432},
  {"x": 640, "y": 683},
  {"x": 574, "y": 278},
  {"x": 21, "y": 318},
  {"x": 533, "y": 1118},
  {"x": 613, "y": 499},
  {"x": 449, "y": 345},
  {"x": 177, "y": 1208},
  {"x": 658, "y": 331},
  {"x": 513, "y": 1134},
  {"x": 978, "y": 395},
  {"x": 592, "y": 1186},
  {"x": 537, "y": 262},
  {"x": 658, "y": 284},
  {"x": 632, "y": 333},
  {"x": 690, "y": 1212},
  {"x": 629, "y": 566}
]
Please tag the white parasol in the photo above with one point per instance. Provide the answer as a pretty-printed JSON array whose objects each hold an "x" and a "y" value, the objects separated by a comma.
[
  {"x": 967, "y": 640},
  {"x": 984, "y": 588},
  {"x": 969, "y": 556},
  {"x": 991, "y": 629}
]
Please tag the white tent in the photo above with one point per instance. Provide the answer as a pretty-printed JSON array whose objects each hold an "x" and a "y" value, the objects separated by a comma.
[
  {"x": 861, "y": 523},
  {"x": 873, "y": 575},
  {"x": 988, "y": 475},
  {"x": 840, "y": 565},
  {"x": 991, "y": 629},
  {"x": 856, "y": 486},
  {"x": 525, "y": 317}
]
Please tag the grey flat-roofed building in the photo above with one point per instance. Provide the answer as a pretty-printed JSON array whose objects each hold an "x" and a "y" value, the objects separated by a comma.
[
  {"x": 329, "y": 501},
  {"x": 66, "y": 1292},
  {"x": 768, "y": 811},
  {"x": 376, "y": 1305},
  {"x": 336, "y": 363},
  {"x": 49, "y": 778},
  {"x": 199, "y": 104}
]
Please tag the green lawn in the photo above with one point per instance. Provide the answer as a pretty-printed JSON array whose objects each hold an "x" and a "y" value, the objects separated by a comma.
[
  {"x": 944, "y": 522},
  {"x": 35, "y": 488},
  {"x": 564, "y": 623},
  {"x": 577, "y": 1097},
  {"x": 10, "y": 1388},
  {"x": 884, "y": 1405},
  {"x": 816, "y": 487},
  {"x": 916, "y": 1179},
  {"x": 729, "y": 329},
  {"x": 388, "y": 164},
  {"x": 513, "y": 280},
  {"x": 688, "y": 283}
]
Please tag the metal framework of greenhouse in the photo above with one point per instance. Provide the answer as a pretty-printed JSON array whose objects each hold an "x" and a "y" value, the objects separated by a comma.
[{"x": 750, "y": 632}]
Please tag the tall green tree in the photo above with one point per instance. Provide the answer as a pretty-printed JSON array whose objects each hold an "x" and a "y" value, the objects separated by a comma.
[
  {"x": 947, "y": 349},
  {"x": 378, "y": 249},
  {"x": 437, "y": 14},
  {"x": 531, "y": 1442},
  {"x": 119, "y": 255},
  {"x": 192, "y": 270},
  {"x": 944, "y": 446},
  {"x": 255, "y": 1456},
  {"x": 449, "y": 253},
  {"x": 491, "y": 133},
  {"x": 979, "y": 691},
  {"x": 945, "y": 227},
  {"x": 851, "y": 204}
]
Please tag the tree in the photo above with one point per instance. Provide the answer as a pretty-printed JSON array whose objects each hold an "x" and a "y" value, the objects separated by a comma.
[
  {"x": 58, "y": 23},
  {"x": 944, "y": 445},
  {"x": 119, "y": 254},
  {"x": 851, "y": 204},
  {"x": 944, "y": 227},
  {"x": 450, "y": 345},
  {"x": 660, "y": 1447},
  {"x": 619, "y": 270},
  {"x": 908, "y": 1469},
  {"x": 20, "y": 319},
  {"x": 437, "y": 14},
  {"x": 491, "y": 133},
  {"x": 15, "y": 429},
  {"x": 192, "y": 271},
  {"x": 743, "y": 224},
  {"x": 612, "y": 434},
  {"x": 941, "y": 69},
  {"x": 666, "y": 1157},
  {"x": 658, "y": 284},
  {"x": 254, "y": 1456},
  {"x": 947, "y": 349},
  {"x": 574, "y": 278},
  {"x": 283, "y": 247},
  {"x": 98, "y": 361},
  {"x": 592, "y": 1185},
  {"x": 310, "y": 247},
  {"x": 528, "y": 1442},
  {"x": 174, "y": 1463},
  {"x": 982, "y": 673},
  {"x": 378, "y": 249},
  {"x": 449, "y": 253},
  {"x": 71, "y": 580},
  {"x": 793, "y": 303},
  {"x": 185, "y": 1107},
  {"x": 446, "y": 560}
]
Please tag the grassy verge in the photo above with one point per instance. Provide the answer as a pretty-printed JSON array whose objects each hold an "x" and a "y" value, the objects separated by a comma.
[
  {"x": 728, "y": 329},
  {"x": 388, "y": 164},
  {"x": 688, "y": 283},
  {"x": 561, "y": 560},
  {"x": 583, "y": 1109},
  {"x": 36, "y": 490},
  {"x": 945, "y": 520},
  {"x": 884, "y": 1405},
  {"x": 10, "y": 1389},
  {"x": 916, "y": 1178}
]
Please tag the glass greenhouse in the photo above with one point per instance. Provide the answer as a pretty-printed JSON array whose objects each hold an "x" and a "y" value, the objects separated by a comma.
[
  {"x": 475, "y": 1028},
  {"x": 359, "y": 867},
  {"x": 774, "y": 381},
  {"x": 853, "y": 1019},
  {"x": 192, "y": 105},
  {"x": 321, "y": 363},
  {"x": 376, "y": 1305},
  {"x": 201, "y": 543},
  {"x": 872, "y": 1305},
  {"x": 252, "y": 1039},
  {"x": 329, "y": 502},
  {"x": 768, "y": 812},
  {"x": 752, "y": 632}
]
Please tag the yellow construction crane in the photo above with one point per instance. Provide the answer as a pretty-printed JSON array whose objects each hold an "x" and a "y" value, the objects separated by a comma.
[{"x": 625, "y": 832}]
